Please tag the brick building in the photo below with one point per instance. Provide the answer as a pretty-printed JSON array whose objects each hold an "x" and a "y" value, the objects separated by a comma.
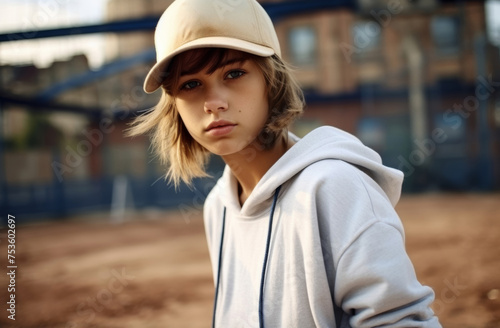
[
  {"x": 415, "y": 80},
  {"x": 402, "y": 75}
]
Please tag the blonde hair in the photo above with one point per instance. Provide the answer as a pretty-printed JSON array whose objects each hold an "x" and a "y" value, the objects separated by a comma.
[{"x": 186, "y": 158}]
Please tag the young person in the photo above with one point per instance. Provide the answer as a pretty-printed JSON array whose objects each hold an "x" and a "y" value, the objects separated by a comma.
[{"x": 301, "y": 232}]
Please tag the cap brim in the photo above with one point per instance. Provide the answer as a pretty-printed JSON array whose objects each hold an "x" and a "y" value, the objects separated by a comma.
[{"x": 157, "y": 74}]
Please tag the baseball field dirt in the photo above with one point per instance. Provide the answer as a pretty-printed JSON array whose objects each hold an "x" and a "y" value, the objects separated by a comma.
[{"x": 152, "y": 270}]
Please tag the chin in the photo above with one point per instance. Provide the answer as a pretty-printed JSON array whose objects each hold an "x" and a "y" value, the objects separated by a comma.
[{"x": 227, "y": 150}]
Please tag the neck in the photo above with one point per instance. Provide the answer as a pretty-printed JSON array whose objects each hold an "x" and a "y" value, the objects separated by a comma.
[{"x": 250, "y": 164}]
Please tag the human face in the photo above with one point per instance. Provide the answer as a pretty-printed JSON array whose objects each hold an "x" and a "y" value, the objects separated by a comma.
[{"x": 226, "y": 110}]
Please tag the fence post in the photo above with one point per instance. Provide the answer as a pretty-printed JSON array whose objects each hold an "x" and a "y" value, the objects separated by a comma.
[{"x": 484, "y": 168}]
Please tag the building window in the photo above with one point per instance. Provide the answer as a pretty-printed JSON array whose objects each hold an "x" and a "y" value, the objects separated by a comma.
[
  {"x": 446, "y": 34},
  {"x": 303, "y": 45},
  {"x": 366, "y": 36}
]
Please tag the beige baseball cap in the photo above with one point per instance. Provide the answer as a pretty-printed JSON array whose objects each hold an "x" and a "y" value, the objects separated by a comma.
[{"x": 189, "y": 24}]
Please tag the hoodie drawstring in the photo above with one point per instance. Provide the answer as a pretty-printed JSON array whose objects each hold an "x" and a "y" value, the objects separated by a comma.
[
  {"x": 264, "y": 265},
  {"x": 219, "y": 266}
]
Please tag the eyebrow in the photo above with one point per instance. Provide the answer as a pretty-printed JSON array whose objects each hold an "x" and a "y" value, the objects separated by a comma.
[{"x": 222, "y": 64}]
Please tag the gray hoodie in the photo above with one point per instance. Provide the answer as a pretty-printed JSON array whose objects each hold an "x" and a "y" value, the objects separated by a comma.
[{"x": 335, "y": 255}]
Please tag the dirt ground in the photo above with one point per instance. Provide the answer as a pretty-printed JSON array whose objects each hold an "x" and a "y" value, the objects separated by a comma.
[{"x": 153, "y": 270}]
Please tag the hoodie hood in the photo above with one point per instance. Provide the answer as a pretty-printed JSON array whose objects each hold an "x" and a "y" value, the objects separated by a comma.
[{"x": 322, "y": 143}]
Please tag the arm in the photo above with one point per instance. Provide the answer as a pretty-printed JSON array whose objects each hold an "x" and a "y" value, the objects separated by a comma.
[
  {"x": 376, "y": 282},
  {"x": 370, "y": 274}
]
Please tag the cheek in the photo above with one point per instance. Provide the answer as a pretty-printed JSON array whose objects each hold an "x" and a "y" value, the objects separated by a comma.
[
  {"x": 264, "y": 96},
  {"x": 190, "y": 125},
  {"x": 263, "y": 106},
  {"x": 185, "y": 113},
  {"x": 187, "y": 123}
]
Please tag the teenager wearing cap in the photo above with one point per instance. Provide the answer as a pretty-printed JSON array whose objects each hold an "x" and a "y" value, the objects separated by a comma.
[{"x": 301, "y": 232}]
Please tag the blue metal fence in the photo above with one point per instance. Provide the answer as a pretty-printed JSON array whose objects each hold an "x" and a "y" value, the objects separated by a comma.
[{"x": 60, "y": 200}]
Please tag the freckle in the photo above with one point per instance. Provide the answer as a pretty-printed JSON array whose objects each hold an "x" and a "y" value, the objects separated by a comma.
[{"x": 239, "y": 111}]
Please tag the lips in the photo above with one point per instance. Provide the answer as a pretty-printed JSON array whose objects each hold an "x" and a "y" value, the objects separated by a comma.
[
  {"x": 221, "y": 127},
  {"x": 218, "y": 124}
]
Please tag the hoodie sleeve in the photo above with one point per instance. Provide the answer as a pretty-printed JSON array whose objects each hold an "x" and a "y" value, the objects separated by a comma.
[{"x": 374, "y": 281}]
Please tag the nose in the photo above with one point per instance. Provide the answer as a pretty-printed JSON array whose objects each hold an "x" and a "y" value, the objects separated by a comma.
[{"x": 215, "y": 100}]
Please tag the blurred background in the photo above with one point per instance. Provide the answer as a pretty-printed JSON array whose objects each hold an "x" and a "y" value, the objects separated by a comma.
[{"x": 415, "y": 80}]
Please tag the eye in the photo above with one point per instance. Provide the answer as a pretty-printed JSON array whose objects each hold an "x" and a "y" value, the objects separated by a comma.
[
  {"x": 234, "y": 74},
  {"x": 189, "y": 85}
]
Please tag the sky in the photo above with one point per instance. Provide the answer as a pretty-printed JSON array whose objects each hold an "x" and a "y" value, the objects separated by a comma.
[
  {"x": 19, "y": 15},
  {"x": 24, "y": 15},
  {"x": 493, "y": 20}
]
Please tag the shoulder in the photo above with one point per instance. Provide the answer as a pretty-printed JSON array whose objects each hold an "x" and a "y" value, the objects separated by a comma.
[
  {"x": 335, "y": 189},
  {"x": 344, "y": 196},
  {"x": 335, "y": 176},
  {"x": 336, "y": 183},
  {"x": 328, "y": 167}
]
